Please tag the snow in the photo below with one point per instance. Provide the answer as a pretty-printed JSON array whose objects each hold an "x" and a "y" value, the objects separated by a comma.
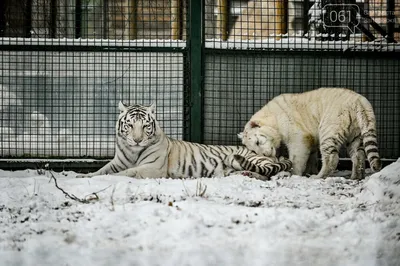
[{"x": 236, "y": 221}]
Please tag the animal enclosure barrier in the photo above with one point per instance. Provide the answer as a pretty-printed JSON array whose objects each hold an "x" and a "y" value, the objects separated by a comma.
[{"x": 208, "y": 65}]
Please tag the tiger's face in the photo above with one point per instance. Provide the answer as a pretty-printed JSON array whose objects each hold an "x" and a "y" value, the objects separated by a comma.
[
  {"x": 258, "y": 142},
  {"x": 137, "y": 125},
  {"x": 262, "y": 140}
]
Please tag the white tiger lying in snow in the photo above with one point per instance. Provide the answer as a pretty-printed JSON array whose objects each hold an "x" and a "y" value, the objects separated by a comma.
[
  {"x": 326, "y": 117},
  {"x": 143, "y": 150}
]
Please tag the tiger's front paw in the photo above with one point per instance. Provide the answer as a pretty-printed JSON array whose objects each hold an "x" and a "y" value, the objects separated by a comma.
[
  {"x": 129, "y": 173},
  {"x": 317, "y": 177},
  {"x": 253, "y": 175},
  {"x": 281, "y": 175}
]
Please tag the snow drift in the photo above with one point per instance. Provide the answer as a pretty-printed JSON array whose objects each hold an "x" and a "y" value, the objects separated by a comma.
[{"x": 236, "y": 221}]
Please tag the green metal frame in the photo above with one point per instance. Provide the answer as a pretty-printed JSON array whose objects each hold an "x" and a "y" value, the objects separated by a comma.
[{"x": 196, "y": 46}]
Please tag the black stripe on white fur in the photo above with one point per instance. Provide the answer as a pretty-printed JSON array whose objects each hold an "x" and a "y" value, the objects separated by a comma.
[{"x": 263, "y": 166}]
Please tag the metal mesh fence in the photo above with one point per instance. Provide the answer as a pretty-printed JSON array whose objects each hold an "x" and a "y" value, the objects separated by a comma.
[
  {"x": 256, "y": 50},
  {"x": 208, "y": 65},
  {"x": 66, "y": 64},
  {"x": 238, "y": 85},
  {"x": 256, "y": 23},
  {"x": 94, "y": 19}
]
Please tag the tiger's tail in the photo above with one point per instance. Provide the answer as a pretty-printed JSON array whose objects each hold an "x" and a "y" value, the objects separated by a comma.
[
  {"x": 262, "y": 165},
  {"x": 367, "y": 123}
]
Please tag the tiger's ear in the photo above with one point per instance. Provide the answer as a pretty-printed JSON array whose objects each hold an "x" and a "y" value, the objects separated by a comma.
[
  {"x": 122, "y": 106},
  {"x": 152, "y": 108},
  {"x": 254, "y": 124},
  {"x": 240, "y": 135}
]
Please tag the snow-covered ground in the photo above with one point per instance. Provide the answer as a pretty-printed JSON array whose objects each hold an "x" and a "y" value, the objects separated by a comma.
[{"x": 220, "y": 221}]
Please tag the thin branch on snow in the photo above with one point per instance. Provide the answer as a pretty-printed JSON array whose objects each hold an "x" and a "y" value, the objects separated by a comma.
[
  {"x": 112, "y": 199},
  {"x": 200, "y": 189},
  {"x": 186, "y": 190},
  {"x": 89, "y": 198}
]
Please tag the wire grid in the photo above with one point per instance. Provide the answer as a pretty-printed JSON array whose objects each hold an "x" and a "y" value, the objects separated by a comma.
[
  {"x": 66, "y": 64},
  {"x": 300, "y": 24},
  {"x": 255, "y": 51},
  {"x": 94, "y": 19}
]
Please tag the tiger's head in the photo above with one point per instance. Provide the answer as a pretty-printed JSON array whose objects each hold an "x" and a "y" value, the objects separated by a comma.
[
  {"x": 137, "y": 125},
  {"x": 262, "y": 139}
]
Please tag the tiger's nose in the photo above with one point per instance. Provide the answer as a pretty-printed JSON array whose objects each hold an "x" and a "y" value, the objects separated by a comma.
[{"x": 138, "y": 140}]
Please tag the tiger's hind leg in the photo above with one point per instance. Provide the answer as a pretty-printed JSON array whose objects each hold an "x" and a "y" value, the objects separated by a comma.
[
  {"x": 299, "y": 153},
  {"x": 329, "y": 147},
  {"x": 261, "y": 167},
  {"x": 357, "y": 155}
]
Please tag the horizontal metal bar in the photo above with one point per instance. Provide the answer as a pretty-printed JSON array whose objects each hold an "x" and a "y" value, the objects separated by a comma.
[
  {"x": 300, "y": 44},
  {"x": 85, "y": 48},
  {"x": 78, "y": 165},
  {"x": 315, "y": 53}
]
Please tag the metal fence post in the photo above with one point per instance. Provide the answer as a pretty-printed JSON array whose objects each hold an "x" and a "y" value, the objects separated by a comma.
[
  {"x": 195, "y": 45},
  {"x": 78, "y": 19},
  {"x": 390, "y": 20},
  {"x": 28, "y": 19},
  {"x": 3, "y": 22}
]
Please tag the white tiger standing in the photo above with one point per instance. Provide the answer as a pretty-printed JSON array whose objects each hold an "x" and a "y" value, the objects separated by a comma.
[
  {"x": 144, "y": 151},
  {"x": 326, "y": 118}
]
